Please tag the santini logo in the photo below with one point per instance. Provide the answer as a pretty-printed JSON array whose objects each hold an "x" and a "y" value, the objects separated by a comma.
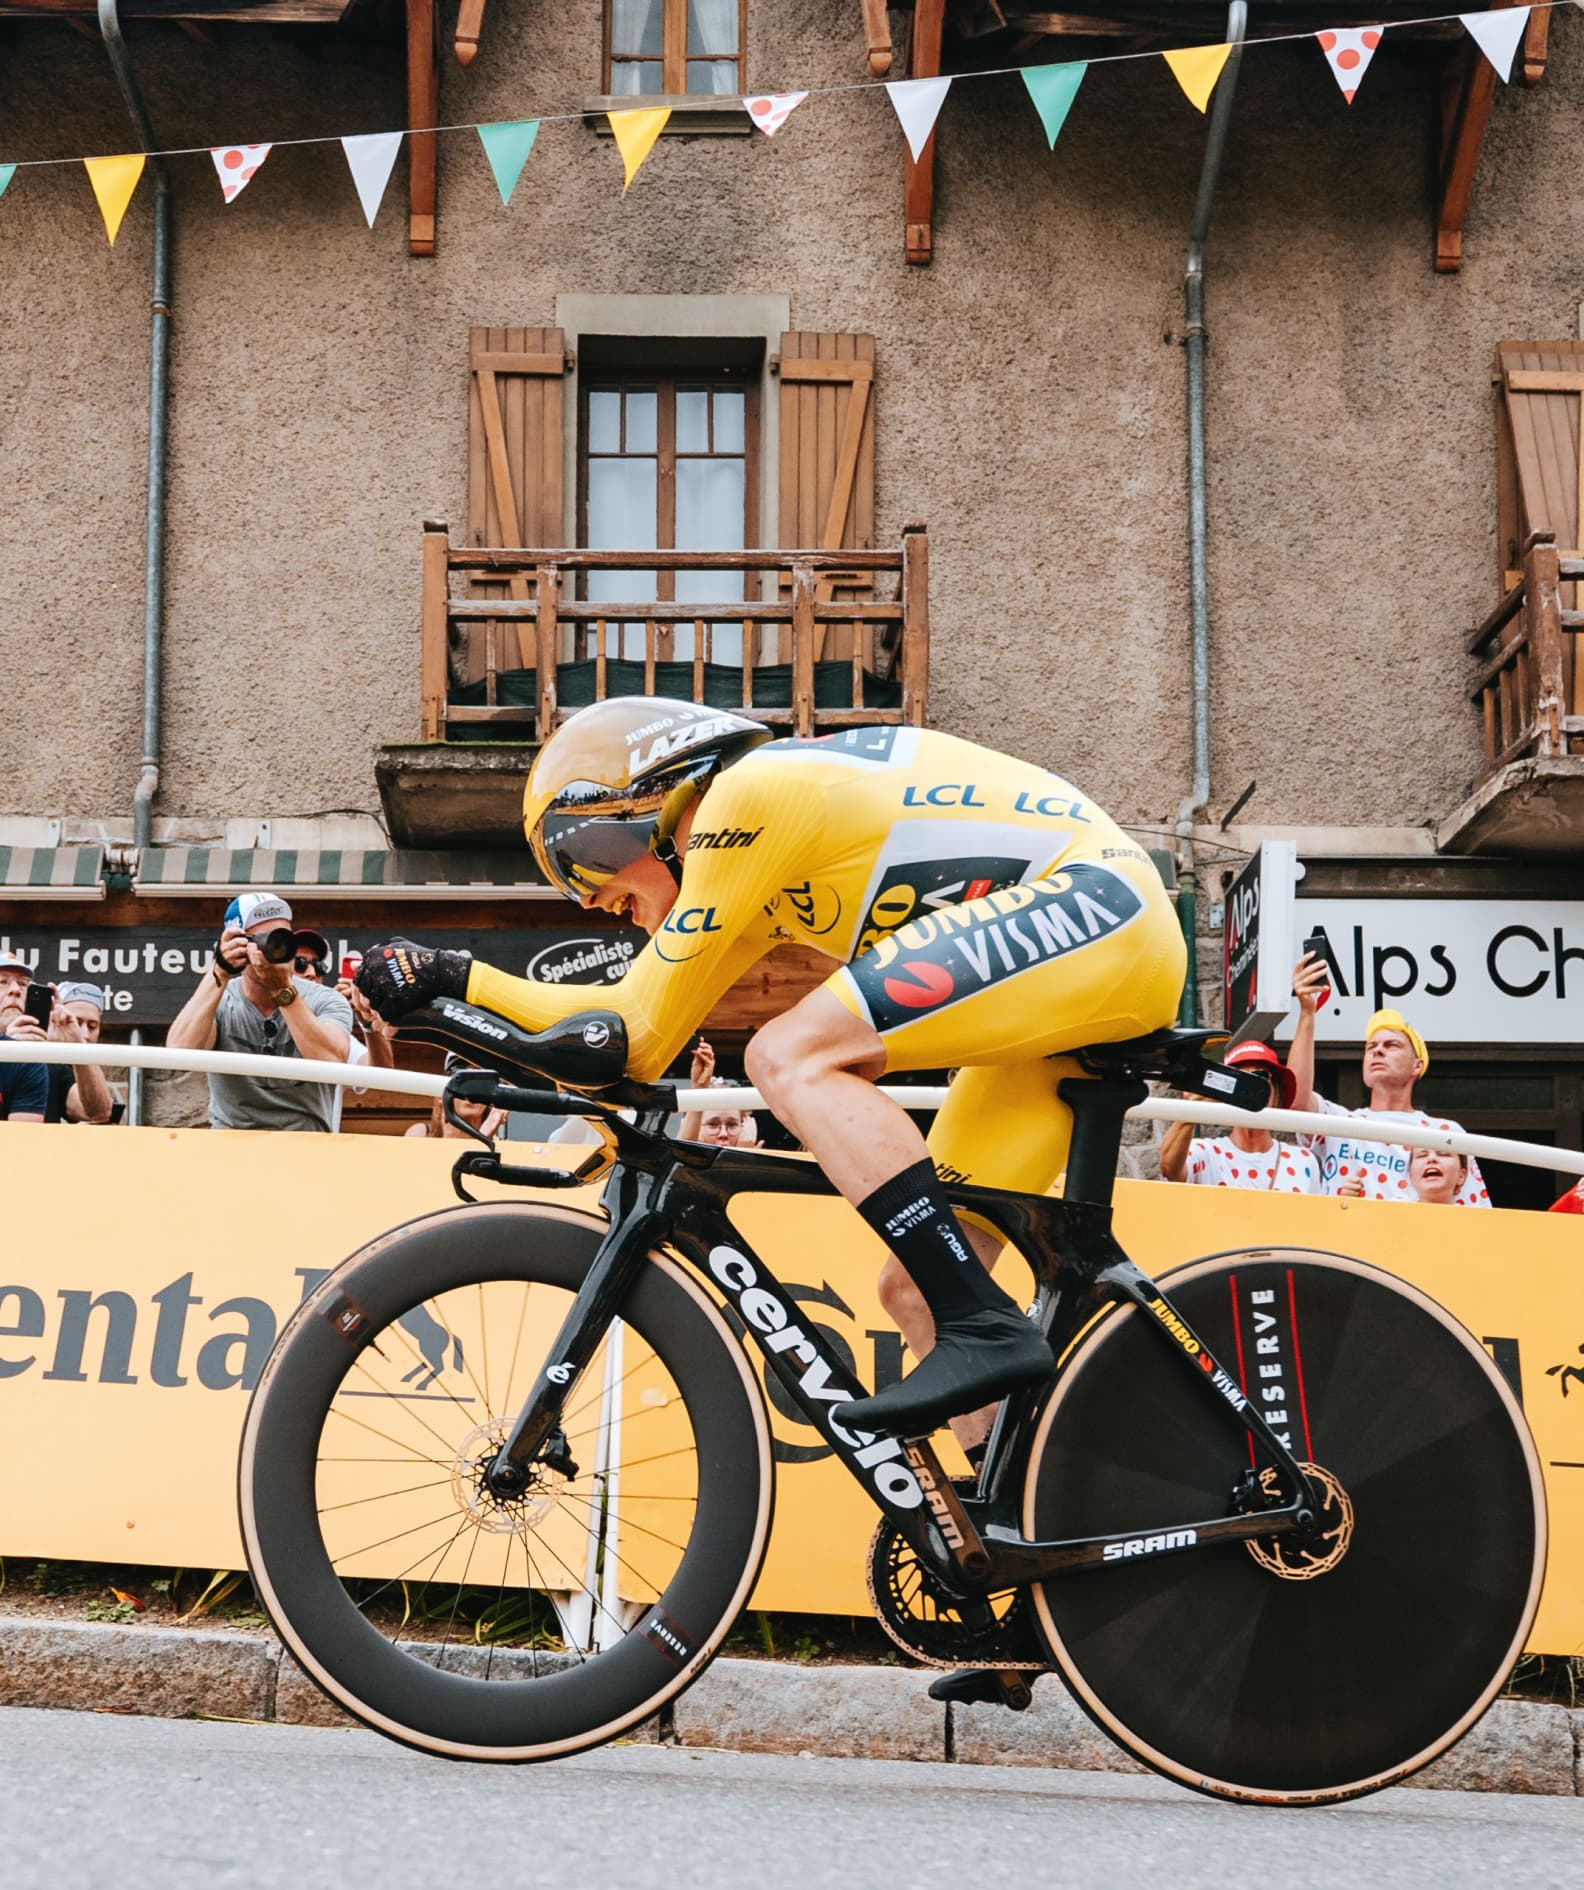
[
  {"x": 1150, "y": 1545},
  {"x": 726, "y": 837}
]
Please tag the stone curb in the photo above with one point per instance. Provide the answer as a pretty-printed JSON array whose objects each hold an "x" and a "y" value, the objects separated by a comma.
[{"x": 847, "y": 1712}]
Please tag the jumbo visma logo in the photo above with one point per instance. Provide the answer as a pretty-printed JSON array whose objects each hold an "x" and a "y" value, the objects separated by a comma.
[{"x": 944, "y": 957}]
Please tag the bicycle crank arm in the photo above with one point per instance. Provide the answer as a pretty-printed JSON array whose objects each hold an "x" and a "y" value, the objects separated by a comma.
[{"x": 1015, "y": 1561}]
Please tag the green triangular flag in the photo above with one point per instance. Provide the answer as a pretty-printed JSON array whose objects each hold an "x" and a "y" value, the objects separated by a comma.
[
  {"x": 7, "y": 172},
  {"x": 507, "y": 147},
  {"x": 1053, "y": 89}
]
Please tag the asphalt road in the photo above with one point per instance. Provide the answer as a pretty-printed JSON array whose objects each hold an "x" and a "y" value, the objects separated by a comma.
[{"x": 87, "y": 1800}]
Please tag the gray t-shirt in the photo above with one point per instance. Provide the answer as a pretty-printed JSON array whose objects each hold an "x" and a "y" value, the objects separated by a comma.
[{"x": 262, "y": 1102}]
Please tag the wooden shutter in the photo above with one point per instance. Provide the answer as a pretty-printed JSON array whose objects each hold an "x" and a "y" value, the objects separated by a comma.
[
  {"x": 827, "y": 457},
  {"x": 1540, "y": 463},
  {"x": 516, "y": 455}
]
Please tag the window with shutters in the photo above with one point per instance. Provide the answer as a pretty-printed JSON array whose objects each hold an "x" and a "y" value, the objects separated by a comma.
[
  {"x": 669, "y": 48},
  {"x": 669, "y": 461}
]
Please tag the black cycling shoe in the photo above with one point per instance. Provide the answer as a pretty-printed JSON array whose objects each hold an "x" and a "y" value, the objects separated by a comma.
[
  {"x": 976, "y": 1357},
  {"x": 987, "y": 1686}
]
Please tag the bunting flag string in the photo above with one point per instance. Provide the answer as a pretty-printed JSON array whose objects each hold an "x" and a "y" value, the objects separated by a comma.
[
  {"x": 1497, "y": 34},
  {"x": 917, "y": 104},
  {"x": 1053, "y": 89},
  {"x": 1196, "y": 70},
  {"x": 507, "y": 147},
  {"x": 635, "y": 133},
  {"x": 770, "y": 110},
  {"x": 1348, "y": 51},
  {"x": 235, "y": 165},
  {"x": 371, "y": 159},
  {"x": 114, "y": 179}
]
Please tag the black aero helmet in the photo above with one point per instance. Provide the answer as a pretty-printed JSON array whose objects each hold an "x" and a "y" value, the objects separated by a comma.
[{"x": 614, "y": 780}]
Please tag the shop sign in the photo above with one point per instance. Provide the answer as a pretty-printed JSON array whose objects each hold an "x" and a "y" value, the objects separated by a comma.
[
  {"x": 148, "y": 972},
  {"x": 1486, "y": 971},
  {"x": 1258, "y": 941}
]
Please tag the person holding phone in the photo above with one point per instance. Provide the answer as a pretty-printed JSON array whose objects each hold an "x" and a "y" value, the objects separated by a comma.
[
  {"x": 24, "y": 1087},
  {"x": 251, "y": 999}
]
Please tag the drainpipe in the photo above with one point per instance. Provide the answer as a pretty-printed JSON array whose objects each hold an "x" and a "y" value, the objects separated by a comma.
[
  {"x": 159, "y": 383},
  {"x": 1194, "y": 338}
]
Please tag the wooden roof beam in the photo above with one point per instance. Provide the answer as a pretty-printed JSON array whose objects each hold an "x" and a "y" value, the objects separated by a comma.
[
  {"x": 1468, "y": 88},
  {"x": 877, "y": 36},
  {"x": 924, "y": 60},
  {"x": 470, "y": 23},
  {"x": 423, "y": 112}
]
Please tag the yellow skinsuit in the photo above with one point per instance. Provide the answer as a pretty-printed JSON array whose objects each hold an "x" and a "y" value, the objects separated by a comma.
[{"x": 983, "y": 915}]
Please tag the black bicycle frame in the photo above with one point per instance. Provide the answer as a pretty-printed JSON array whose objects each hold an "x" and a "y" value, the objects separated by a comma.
[{"x": 675, "y": 1195}]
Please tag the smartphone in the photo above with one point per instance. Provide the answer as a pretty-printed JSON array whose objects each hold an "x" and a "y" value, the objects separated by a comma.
[
  {"x": 37, "y": 1001},
  {"x": 351, "y": 964},
  {"x": 1316, "y": 943}
]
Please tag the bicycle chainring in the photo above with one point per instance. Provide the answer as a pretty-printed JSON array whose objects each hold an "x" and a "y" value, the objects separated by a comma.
[{"x": 926, "y": 1620}]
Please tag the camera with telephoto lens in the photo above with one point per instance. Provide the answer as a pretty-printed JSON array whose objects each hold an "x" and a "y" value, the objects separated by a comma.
[{"x": 279, "y": 946}]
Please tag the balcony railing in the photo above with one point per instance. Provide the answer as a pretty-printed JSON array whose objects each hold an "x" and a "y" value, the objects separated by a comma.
[
  {"x": 1524, "y": 685},
  {"x": 806, "y": 640}
]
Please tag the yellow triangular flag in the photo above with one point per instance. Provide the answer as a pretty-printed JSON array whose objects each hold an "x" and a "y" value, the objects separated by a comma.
[
  {"x": 635, "y": 134},
  {"x": 114, "y": 179},
  {"x": 1197, "y": 68}
]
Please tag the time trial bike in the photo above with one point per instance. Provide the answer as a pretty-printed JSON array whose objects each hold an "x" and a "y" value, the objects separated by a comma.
[{"x": 507, "y": 1480}]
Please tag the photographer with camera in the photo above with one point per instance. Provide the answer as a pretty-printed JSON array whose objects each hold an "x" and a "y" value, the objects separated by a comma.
[
  {"x": 250, "y": 1000},
  {"x": 24, "y": 1087}
]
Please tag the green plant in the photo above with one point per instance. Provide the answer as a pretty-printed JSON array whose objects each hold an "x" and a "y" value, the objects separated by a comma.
[{"x": 120, "y": 1612}]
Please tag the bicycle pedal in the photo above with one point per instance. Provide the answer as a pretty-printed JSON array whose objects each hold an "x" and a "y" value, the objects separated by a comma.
[{"x": 984, "y": 1686}]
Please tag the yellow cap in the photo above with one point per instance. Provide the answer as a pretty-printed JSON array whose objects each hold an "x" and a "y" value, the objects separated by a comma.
[{"x": 1394, "y": 1020}]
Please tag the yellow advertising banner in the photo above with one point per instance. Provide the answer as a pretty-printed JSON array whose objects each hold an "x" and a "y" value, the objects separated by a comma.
[{"x": 145, "y": 1274}]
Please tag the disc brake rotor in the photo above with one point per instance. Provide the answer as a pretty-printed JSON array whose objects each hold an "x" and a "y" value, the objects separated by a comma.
[
  {"x": 499, "y": 1515},
  {"x": 1302, "y": 1558}
]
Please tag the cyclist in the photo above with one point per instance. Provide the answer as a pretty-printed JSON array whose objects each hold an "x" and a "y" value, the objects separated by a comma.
[{"x": 981, "y": 914}]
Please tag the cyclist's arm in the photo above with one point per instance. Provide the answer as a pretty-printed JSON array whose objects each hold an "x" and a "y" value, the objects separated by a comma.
[
  {"x": 715, "y": 932},
  {"x": 1174, "y": 1151}
]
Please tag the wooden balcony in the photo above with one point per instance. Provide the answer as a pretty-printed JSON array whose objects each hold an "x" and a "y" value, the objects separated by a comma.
[
  {"x": 807, "y": 641},
  {"x": 1530, "y": 693}
]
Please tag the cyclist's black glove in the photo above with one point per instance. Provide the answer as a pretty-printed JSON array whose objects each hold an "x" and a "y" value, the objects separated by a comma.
[{"x": 402, "y": 977}]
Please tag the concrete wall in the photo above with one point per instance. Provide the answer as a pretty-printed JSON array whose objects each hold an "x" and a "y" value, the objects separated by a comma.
[{"x": 1030, "y": 404}]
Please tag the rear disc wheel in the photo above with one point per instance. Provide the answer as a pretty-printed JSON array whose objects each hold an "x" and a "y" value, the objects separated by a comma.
[{"x": 1291, "y": 1672}]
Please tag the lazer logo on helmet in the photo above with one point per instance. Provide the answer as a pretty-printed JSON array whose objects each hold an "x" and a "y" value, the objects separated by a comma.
[
  {"x": 691, "y": 735},
  {"x": 879, "y": 1458},
  {"x": 1149, "y": 1545},
  {"x": 940, "y": 958}
]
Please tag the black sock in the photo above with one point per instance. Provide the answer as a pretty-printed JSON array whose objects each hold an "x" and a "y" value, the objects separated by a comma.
[{"x": 912, "y": 1216}]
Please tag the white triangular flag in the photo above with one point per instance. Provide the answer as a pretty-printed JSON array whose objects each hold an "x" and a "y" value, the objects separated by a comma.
[
  {"x": 918, "y": 103},
  {"x": 770, "y": 110},
  {"x": 1497, "y": 34},
  {"x": 1348, "y": 51},
  {"x": 371, "y": 159},
  {"x": 235, "y": 164}
]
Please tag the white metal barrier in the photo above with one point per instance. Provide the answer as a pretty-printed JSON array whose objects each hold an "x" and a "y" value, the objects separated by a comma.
[{"x": 1562, "y": 1161}]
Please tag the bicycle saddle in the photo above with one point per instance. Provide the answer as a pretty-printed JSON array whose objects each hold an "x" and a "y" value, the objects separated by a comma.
[
  {"x": 587, "y": 1051},
  {"x": 1181, "y": 1058}
]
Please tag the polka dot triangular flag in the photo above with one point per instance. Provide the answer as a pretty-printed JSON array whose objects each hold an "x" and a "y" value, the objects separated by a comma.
[
  {"x": 770, "y": 110},
  {"x": 1348, "y": 51},
  {"x": 235, "y": 164}
]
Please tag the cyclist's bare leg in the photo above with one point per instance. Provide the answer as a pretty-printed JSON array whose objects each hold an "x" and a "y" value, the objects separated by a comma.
[{"x": 816, "y": 1067}]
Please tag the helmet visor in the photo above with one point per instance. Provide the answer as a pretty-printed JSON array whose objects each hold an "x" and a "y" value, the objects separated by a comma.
[{"x": 583, "y": 850}]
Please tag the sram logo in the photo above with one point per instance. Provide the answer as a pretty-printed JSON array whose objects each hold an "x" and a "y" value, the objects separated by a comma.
[
  {"x": 1150, "y": 1545},
  {"x": 781, "y": 1334}
]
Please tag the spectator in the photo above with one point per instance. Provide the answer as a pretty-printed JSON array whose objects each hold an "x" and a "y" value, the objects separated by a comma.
[
  {"x": 484, "y": 1119},
  {"x": 722, "y": 1124},
  {"x": 1395, "y": 1057},
  {"x": 78, "y": 1092},
  {"x": 1436, "y": 1177},
  {"x": 1244, "y": 1158},
  {"x": 24, "y": 1087},
  {"x": 250, "y": 999}
]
